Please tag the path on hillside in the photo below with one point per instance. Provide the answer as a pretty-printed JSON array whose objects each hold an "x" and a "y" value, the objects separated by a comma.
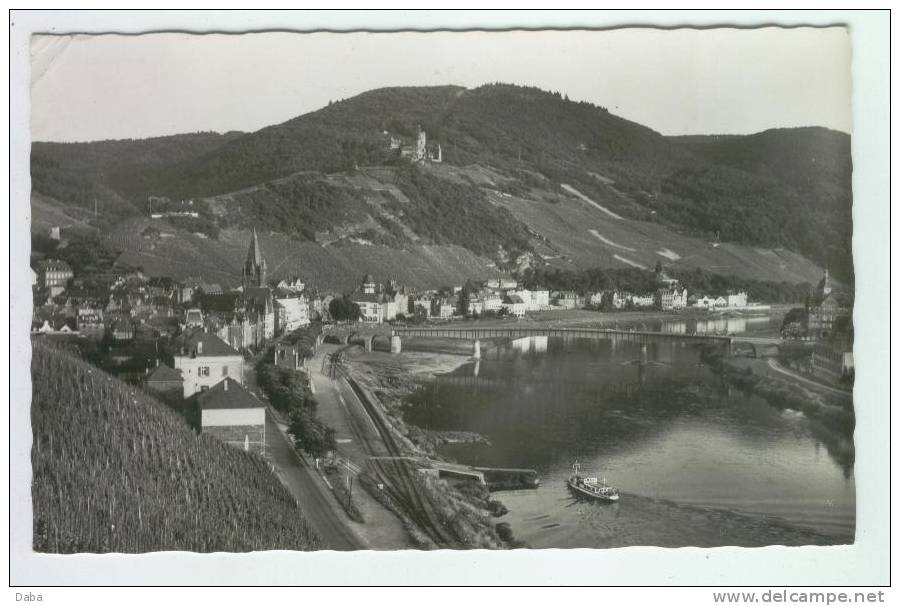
[
  {"x": 774, "y": 365},
  {"x": 581, "y": 196}
]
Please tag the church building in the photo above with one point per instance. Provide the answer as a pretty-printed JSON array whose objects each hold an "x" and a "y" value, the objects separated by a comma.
[{"x": 253, "y": 274}]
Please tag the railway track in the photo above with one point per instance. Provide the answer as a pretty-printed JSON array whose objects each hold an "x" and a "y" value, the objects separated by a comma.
[{"x": 397, "y": 476}]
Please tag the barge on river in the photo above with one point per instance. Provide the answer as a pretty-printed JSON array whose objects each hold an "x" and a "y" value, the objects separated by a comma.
[{"x": 591, "y": 488}]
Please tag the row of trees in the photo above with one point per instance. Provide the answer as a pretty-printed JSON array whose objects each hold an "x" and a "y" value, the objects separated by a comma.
[{"x": 289, "y": 394}]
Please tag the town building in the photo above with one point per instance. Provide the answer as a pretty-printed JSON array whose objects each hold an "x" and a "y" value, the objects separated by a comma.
[
  {"x": 193, "y": 318},
  {"x": 121, "y": 328},
  {"x": 397, "y": 297},
  {"x": 233, "y": 415},
  {"x": 492, "y": 301},
  {"x": 594, "y": 299},
  {"x": 205, "y": 360},
  {"x": 90, "y": 321},
  {"x": 237, "y": 330},
  {"x": 501, "y": 283},
  {"x": 54, "y": 275},
  {"x": 318, "y": 307},
  {"x": 378, "y": 304},
  {"x": 371, "y": 307},
  {"x": 292, "y": 285},
  {"x": 643, "y": 301},
  {"x": 671, "y": 299},
  {"x": 369, "y": 287},
  {"x": 444, "y": 307},
  {"x": 475, "y": 305},
  {"x": 422, "y": 305},
  {"x": 291, "y": 313},
  {"x": 736, "y": 299},
  {"x": 166, "y": 382},
  {"x": 514, "y": 305},
  {"x": 186, "y": 289},
  {"x": 826, "y": 307},
  {"x": 535, "y": 300},
  {"x": 259, "y": 306},
  {"x": 567, "y": 300}
]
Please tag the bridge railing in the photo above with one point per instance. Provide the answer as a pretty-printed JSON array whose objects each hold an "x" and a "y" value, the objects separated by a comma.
[{"x": 475, "y": 334}]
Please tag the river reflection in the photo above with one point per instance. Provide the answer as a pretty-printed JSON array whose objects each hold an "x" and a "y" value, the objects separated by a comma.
[
  {"x": 711, "y": 325},
  {"x": 697, "y": 463}
]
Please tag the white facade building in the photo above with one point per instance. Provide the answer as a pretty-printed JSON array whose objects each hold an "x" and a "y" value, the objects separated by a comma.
[
  {"x": 205, "y": 360},
  {"x": 738, "y": 299},
  {"x": 291, "y": 313},
  {"x": 233, "y": 415}
]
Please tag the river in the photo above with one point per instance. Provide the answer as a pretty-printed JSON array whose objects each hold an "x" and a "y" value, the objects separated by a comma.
[{"x": 697, "y": 463}]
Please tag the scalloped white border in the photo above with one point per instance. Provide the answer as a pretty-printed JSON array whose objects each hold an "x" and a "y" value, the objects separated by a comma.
[{"x": 865, "y": 563}]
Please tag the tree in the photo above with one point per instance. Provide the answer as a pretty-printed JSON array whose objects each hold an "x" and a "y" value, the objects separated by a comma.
[
  {"x": 464, "y": 297},
  {"x": 343, "y": 308},
  {"x": 797, "y": 315},
  {"x": 310, "y": 434}
]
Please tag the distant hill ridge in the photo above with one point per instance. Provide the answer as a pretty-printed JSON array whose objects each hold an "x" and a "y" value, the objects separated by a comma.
[{"x": 781, "y": 188}]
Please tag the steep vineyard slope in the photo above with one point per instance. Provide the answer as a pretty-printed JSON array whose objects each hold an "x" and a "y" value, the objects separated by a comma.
[{"x": 114, "y": 470}]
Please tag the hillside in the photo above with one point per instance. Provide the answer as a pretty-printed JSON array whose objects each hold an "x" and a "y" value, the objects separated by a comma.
[
  {"x": 119, "y": 175},
  {"x": 114, "y": 470},
  {"x": 330, "y": 268},
  {"x": 813, "y": 166},
  {"x": 303, "y": 177}
]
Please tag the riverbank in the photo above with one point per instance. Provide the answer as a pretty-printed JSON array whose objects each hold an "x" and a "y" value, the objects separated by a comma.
[
  {"x": 393, "y": 377},
  {"x": 464, "y": 507},
  {"x": 831, "y": 412}
]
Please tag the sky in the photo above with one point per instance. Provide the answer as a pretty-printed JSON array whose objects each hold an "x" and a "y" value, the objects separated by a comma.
[{"x": 686, "y": 81}]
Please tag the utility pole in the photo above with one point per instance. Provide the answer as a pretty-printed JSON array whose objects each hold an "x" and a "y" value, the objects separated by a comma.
[{"x": 349, "y": 482}]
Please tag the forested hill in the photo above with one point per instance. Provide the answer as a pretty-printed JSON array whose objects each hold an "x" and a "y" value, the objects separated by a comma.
[
  {"x": 813, "y": 168},
  {"x": 115, "y": 470},
  {"x": 119, "y": 174},
  {"x": 747, "y": 190}
]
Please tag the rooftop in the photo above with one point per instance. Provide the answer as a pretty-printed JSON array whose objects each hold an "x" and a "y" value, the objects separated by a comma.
[
  {"x": 164, "y": 373},
  {"x": 228, "y": 394},
  {"x": 54, "y": 265},
  {"x": 367, "y": 298},
  {"x": 205, "y": 344}
]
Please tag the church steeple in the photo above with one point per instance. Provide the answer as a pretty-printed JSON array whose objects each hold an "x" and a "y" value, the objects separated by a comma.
[
  {"x": 826, "y": 284},
  {"x": 254, "y": 272}
]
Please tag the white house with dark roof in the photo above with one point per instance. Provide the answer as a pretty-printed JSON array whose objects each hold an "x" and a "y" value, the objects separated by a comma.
[
  {"x": 205, "y": 360},
  {"x": 514, "y": 306},
  {"x": 54, "y": 274},
  {"x": 233, "y": 415}
]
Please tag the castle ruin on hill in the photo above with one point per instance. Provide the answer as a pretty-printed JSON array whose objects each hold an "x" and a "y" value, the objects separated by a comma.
[{"x": 420, "y": 152}]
